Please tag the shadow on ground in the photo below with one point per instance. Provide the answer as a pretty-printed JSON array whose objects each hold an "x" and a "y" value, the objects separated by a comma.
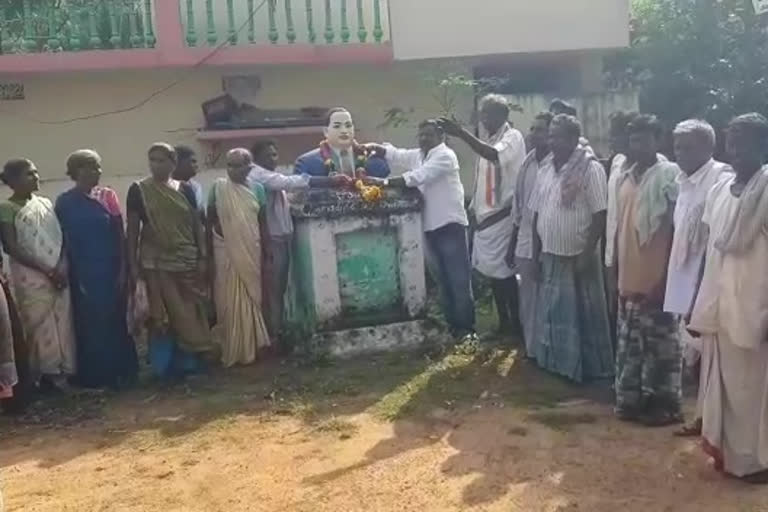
[
  {"x": 492, "y": 421},
  {"x": 312, "y": 390},
  {"x": 315, "y": 390},
  {"x": 441, "y": 404}
]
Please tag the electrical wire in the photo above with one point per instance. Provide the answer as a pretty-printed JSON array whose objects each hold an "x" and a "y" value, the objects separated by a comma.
[{"x": 153, "y": 95}]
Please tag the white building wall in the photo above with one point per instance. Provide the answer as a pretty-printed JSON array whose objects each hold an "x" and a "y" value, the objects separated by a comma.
[
  {"x": 426, "y": 29},
  {"x": 34, "y": 127}
]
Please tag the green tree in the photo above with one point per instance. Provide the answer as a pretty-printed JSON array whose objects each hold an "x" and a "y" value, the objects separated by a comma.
[{"x": 695, "y": 58}]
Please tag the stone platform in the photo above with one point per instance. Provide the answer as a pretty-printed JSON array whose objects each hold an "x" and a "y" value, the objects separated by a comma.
[{"x": 357, "y": 275}]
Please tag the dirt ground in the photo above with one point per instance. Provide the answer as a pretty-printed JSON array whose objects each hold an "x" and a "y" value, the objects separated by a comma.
[{"x": 425, "y": 432}]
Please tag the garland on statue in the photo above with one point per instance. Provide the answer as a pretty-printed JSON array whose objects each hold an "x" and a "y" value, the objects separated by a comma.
[
  {"x": 359, "y": 151},
  {"x": 370, "y": 194}
]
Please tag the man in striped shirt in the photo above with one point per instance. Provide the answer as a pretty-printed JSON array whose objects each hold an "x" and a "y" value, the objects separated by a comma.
[
  {"x": 521, "y": 246},
  {"x": 568, "y": 204}
]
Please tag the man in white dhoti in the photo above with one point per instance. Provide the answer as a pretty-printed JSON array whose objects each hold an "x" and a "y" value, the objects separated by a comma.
[
  {"x": 732, "y": 308},
  {"x": 694, "y": 144},
  {"x": 501, "y": 151}
]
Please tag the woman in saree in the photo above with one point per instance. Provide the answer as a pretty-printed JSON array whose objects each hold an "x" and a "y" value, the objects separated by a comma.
[
  {"x": 166, "y": 248},
  {"x": 14, "y": 384},
  {"x": 33, "y": 239},
  {"x": 234, "y": 236},
  {"x": 92, "y": 223}
]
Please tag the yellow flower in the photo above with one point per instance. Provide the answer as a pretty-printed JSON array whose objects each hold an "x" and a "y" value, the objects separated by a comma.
[
  {"x": 369, "y": 194},
  {"x": 372, "y": 194}
]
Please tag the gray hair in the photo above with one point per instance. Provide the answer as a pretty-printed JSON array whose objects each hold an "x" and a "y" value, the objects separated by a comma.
[
  {"x": 495, "y": 101},
  {"x": 698, "y": 127},
  {"x": 240, "y": 155},
  {"x": 79, "y": 159},
  {"x": 570, "y": 123}
]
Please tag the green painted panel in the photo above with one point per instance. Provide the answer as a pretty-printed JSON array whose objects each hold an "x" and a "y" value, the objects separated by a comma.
[{"x": 369, "y": 271}]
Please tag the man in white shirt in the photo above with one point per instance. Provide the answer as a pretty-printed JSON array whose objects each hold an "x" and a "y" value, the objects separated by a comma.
[
  {"x": 280, "y": 223},
  {"x": 500, "y": 153},
  {"x": 569, "y": 203},
  {"x": 732, "y": 307},
  {"x": 434, "y": 170},
  {"x": 694, "y": 144}
]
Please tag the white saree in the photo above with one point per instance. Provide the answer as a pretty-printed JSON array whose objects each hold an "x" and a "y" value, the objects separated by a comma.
[
  {"x": 241, "y": 331},
  {"x": 45, "y": 311}
]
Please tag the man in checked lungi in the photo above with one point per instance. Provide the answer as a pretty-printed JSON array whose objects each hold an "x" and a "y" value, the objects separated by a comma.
[{"x": 649, "y": 361}]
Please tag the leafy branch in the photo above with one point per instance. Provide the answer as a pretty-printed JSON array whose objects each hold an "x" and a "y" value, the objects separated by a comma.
[{"x": 447, "y": 89}]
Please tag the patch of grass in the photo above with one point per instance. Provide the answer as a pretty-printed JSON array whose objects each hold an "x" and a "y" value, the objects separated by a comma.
[
  {"x": 562, "y": 421},
  {"x": 458, "y": 378},
  {"x": 333, "y": 425},
  {"x": 297, "y": 408},
  {"x": 405, "y": 397},
  {"x": 390, "y": 386}
]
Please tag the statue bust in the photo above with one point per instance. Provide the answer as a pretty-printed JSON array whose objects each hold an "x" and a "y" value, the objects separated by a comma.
[{"x": 339, "y": 152}]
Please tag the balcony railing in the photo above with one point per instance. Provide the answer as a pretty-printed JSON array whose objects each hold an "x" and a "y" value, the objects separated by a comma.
[
  {"x": 39, "y": 26},
  {"x": 210, "y": 22},
  {"x": 45, "y": 26},
  {"x": 80, "y": 35}
]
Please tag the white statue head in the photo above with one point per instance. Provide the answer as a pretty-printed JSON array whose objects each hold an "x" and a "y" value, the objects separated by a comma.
[{"x": 339, "y": 129}]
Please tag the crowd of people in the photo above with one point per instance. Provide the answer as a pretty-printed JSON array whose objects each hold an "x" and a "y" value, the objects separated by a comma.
[
  {"x": 628, "y": 268},
  {"x": 622, "y": 270}
]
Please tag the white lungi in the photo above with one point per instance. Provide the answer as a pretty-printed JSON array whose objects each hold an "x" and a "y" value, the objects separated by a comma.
[
  {"x": 489, "y": 250},
  {"x": 494, "y": 191}
]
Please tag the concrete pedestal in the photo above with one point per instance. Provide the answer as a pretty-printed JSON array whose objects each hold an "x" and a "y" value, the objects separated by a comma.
[{"x": 357, "y": 275}]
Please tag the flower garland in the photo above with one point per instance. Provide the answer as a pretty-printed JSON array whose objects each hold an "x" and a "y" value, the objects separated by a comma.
[
  {"x": 359, "y": 151},
  {"x": 370, "y": 194}
]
